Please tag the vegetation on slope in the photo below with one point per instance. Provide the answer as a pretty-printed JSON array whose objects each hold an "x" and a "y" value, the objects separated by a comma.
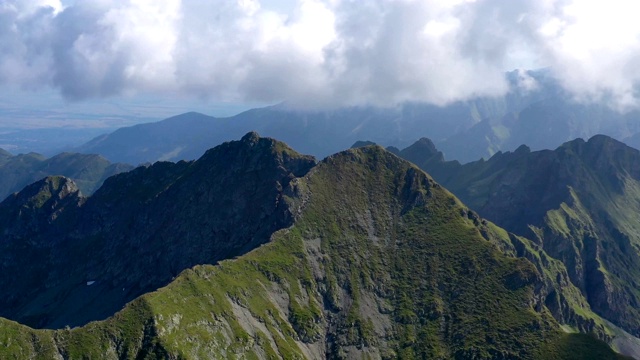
[
  {"x": 381, "y": 262},
  {"x": 579, "y": 204}
]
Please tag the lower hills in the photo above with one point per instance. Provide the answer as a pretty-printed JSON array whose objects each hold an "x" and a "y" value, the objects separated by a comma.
[
  {"x": 256, "y": 251},
  {"x": 88, "y": 171}
]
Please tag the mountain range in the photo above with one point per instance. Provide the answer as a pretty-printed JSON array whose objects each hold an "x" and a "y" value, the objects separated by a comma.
[
  {"x": 257, "y": 251},
  {"x": 579, "y": 203},
  {"x": 320, "y": 133},
  {"x": 536, "y": 111}
]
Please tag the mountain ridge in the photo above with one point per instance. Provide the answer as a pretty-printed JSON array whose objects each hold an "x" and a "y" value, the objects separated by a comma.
[
  {"x": 577, "y": 202},
  {"x": 432, "y": 279},
  {"x": 133, "y": 221},
  {"x": 543, "y": 116}
]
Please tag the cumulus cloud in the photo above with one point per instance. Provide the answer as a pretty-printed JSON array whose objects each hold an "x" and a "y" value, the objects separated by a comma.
[{"x": 320, "y": 52}]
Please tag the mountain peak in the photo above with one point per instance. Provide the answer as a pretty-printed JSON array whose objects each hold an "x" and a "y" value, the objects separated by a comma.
[
  {"x": 427, "y": 144},
  {"x": 191, "y": 115},
  {"x": 168, "y": 216},
  {"x": 27, "y": 213},
  {"x": 598, "y": 145},
  {"x": 607, "y": 156},
  {"x": 522, "y": 149},
  {"x": 604, "y": 140},
  {"x": 422, "y": 153},
  {"x": 362, "y": 143},
  {"x": 251, "y": 137},
  {"x": 50, "y": 187}
]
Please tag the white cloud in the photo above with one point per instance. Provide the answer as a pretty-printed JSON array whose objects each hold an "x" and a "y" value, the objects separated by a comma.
[
  {"x": 319, "y": 52},
  {"x": 525, "y": 81},
  {"x": 594, "y": 49}
]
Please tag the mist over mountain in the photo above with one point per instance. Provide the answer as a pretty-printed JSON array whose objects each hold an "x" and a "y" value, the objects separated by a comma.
[
  {"x": 536, "y": 111},
  {"x": 318, "y": 132},
  {"x": 318, "y": 53},
  {"x": 545, "y": 124}
]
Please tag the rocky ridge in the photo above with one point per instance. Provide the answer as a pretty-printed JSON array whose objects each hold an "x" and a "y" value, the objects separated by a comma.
[
  {"x": 362, "y": 255},
  {"x": 578, "y": 203},
  {"x": 166, "y": 217}
]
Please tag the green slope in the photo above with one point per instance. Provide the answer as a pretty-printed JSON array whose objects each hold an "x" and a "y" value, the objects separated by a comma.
[
  {"x": 381, "y": 262},
  {"x": 578, "y": 203}
]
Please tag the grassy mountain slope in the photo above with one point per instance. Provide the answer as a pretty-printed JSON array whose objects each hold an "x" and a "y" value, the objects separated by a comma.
[
  {"x": 580, "y": 203},
  {"x": 380, "y": 262}
]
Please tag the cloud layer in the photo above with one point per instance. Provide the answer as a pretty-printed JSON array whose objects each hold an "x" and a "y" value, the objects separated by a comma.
[{"x": 319, "y": 52}]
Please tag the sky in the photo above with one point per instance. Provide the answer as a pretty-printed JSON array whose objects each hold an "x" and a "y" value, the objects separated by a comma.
[{"x": 155, "y": 58}]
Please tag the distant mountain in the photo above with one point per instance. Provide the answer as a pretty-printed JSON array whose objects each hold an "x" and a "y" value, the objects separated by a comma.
[
  {"x": 187, "y": 136},
  {"x": 362, "y": 255},
  {"x": 47, "y": 141},
  {"x": 545, "y": 124},
  {"x": 540, "y": 114},
  {"x": 182, "y": 137},
  {"x": 580, "y": 203},
  {"x": 320, "y": 133},
  {"x": 422, "y": 153},
  {"x": 88, "y": 171}
]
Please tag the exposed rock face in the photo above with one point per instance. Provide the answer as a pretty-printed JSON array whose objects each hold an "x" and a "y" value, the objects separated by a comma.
[{"x": 579, "y": 203}]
